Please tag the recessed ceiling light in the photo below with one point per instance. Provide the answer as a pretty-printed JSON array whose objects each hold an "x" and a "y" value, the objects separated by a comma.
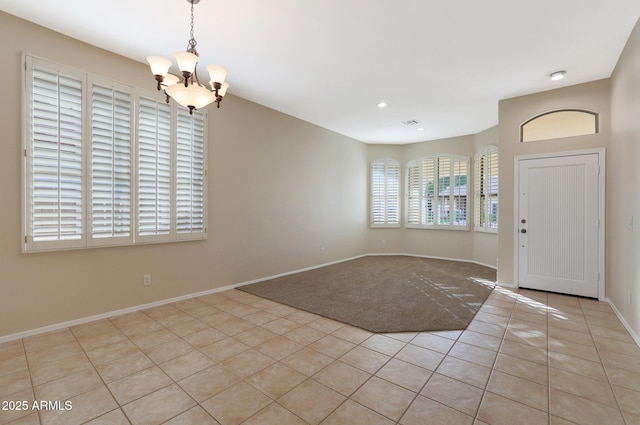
[
  {"x": 420, "y": 129},
  {"x": 558, "y": 75},
  {"x": 382, "y": 105}
]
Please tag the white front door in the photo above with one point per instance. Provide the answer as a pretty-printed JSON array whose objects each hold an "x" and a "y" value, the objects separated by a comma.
[{"x": 558, "y": 224}]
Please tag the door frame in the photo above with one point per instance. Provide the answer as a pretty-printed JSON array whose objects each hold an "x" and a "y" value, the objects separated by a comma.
[{"x": 601, "y": 210}]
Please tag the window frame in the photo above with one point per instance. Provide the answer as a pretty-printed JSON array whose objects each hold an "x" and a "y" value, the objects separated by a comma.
[
  {"x": 386, "y": 163},
  {"x": 483, "y": 183},
  {"x": 422, "y": 198},
  {"x": 87, "y": 239}
]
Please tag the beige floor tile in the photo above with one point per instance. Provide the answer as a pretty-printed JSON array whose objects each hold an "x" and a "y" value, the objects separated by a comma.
[
  {"x": 139, "y": 384},
  {"x": 170, "y": 350},
  {"x": 302, "y": 317},
  {"x": 526, "y": 352},
  {"x": 498, "y": 410},
  {"x": 325, "y": 325},
  {"x": 438, "y": 414},
  {"x": 352, "y": 334},
  {"x": 492, "y": 318},
  {"x": 12, "y": 414},
  {"x": 57, "y": 369},
  {"x": 304, "y": 335},
  {"x": 571, "y": 336},
  {"x": 620, "y": 334},
  {"x": 9, "y": 350},
  {"x": 208, "y": 382},
  {"x": 260, "y": 318},
  {"x": 342, "y": 378},
  {"x": 142, "y": 329},
  {"x": 375, "y": 390},
  {"x": 280, "y": 310},
  {"x": 608, "y": 344},
  {"x": 311, "y": 401},
  {"x": 279, "y": 347},
  {"x": 255, "y": 336},
  {"x": 46, "y": 340},
  {"x": 204, "y": 337},
  {"x": 404, "y": 374},
  {"x": 188, "y": 327},
  {"x": 68, "y": 386},
  {"x": 123, "y": 366},
  {"x": 147, "y": 341},
  {"x": 276, "y": 380},
  {"x": 332, "y": 346},
  {"x": 274, "y": 414},
  {"x": 247, "y": 363},
  {"x": 112, "y": 352},
  {"x": 307, "y": 361},
  {"x": 473, "y": 354},
  {"x": 574, "y": 349},
  {"x": 84, "y": 407},
  {"x": 225, "y": 349},
  {"x": 233, "y": 326},
  {"x": 487, "y": 328},
  {"x": 521, "y": 368},
  {"x": 114, "y": 417},
  {"x": 281, "y": 325},
  {"x": 408, "y": 336},
  {"x": 629, "y": 400},
  {"x": 186, "y": 365},
  {"x": 421, "y": 357},
  {"x": 480, "y": 340},
  {"x": 499, "y": 311},
  {"x": 53, "y": 353},
  {"x": 159, "y": 406},
  {"x": 561, "y": 321},
  {"x": 521, "y": 390},
  {"x": 623, "y": 378},
  {"x": 101, "y": 340},
  {"x": 13, "y": 364},
  {"x": 15, "y": 382},
  {"x": 464, "y": 371},
  {"x": 583, "y": 411},
  {"x": 533, "y": 338},
  {"x": 236, "y": 404},
  {"x": 631, "y": 419},
  {"x": 577, "y": 365},
  {"x": 455, "y": 394},
  {"x": 621, "y": 361},
  {"x": 517, "y": 324},
  {"x": 363, "y": 358},
  {"x": 530, "y": 315},
  {"x": 591, "y": 389},
  {"x": 194, "y": 416},
  {"x": 390, "y": 346},
  {"x": 353, "y": 413}
]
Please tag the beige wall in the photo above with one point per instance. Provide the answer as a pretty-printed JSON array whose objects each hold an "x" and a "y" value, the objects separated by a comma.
[
  {"x": 513, "y": 112},
  {"x": 279, "y": 190},
  {"x": 623, "y": 184}
]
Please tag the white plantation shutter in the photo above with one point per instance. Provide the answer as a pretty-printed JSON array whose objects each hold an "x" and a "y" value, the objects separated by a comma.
[
  {"x": 54, "y": 175},
  {"x": 486, "y": 189},
  {"x": 385, "y": 192},
  {"x": 154, "y": 168},
  {"x": 436, "y": 192},
  {"x": 111, "y": 140},
  {"x": 190, "y": 174},
  {"x": 106, "y": 166}
]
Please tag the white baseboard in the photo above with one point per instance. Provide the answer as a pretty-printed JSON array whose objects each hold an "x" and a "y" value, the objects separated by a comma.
[
  {"x": 433, "y": 257},
  {"x": 81, "y": 321},
  {"x": 624, "y": 322}
]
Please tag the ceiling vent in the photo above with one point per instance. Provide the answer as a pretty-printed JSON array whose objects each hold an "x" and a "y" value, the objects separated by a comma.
[{"x": 410, "y": 122}]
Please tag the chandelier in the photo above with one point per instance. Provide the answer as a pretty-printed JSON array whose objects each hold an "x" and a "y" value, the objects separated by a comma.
[{"x": 189, "y": 92}]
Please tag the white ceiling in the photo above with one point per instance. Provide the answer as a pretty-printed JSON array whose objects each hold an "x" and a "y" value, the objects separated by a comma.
[{"x": 445, "y": 64}]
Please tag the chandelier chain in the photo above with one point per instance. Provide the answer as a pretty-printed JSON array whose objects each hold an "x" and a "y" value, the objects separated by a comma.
[{"x": 192, "y": 40}]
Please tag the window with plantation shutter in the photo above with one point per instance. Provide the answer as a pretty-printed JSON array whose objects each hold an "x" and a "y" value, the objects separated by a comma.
[
  {"x": 106, "y": 166},
  {"x": 154, "y": 168},
  {"x": 385, "y": 193},
  {"x": 111, "y": 140},
  {"x": 486, "y": 190},
  {"x": 190, "y": 174},
  {"x": 54, "y": 181},
  {"x": 437, "y": 192}
]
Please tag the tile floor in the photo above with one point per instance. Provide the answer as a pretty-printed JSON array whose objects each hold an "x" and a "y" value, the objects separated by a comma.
[{"x": 233, "y": 358}]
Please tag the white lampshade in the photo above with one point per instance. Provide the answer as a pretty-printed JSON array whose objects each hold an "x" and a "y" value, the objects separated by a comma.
[
  {"x": 186, "y": 61},
  {"x": 192, "y": 96},
  {"x": 170, "y": 79},
  {"x": 159, "y": 65},
  {"x": 223, "y": 89},
  {"x": 217, "y": 74}
]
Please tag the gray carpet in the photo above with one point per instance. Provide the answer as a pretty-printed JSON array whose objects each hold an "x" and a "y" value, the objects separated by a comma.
[{"x": 387, "y": 293}]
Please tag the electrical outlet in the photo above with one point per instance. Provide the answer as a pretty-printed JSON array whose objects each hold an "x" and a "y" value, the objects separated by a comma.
[{"x": 146, "y": 280}]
